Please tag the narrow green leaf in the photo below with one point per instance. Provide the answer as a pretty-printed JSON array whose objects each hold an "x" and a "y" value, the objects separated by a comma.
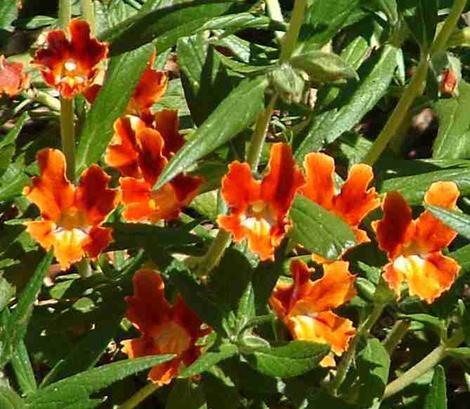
[
  {"x": 123, "y": 75},
  {"x": 236, "y": 112},
  {"x": 292, "y": 359},
  {"x": 6, "y": 292},
  {"x": 414, "y": 187},
  {"x": 323, "y": 67},
  {"x": 437, "y": 395},
  {"x": 72, "y": 391},
  {"x": 421, "y": 17},
  {"x": 364, "y": 95},
  {"x": 429, "y": 321},
  {"x": 23, "y": 370},
  {"x": 454, "y": 122},
  {"x": 85, "y": 353},
  {"x": 388, "y": 7},
  {"x": 209, "y": 359},
  {"x": 460, "y": 222},
  {"x": 9, "y": 399},
  {"x": 11, "y": 136},
  {"x": 373, "y": 365},
  {"x": 17, "y": 322},
  {"x": 205, "y": 81},
  {"x": 12, "y": 182},
  {"x": 8, "y": 13},
  {"x": 459, "y": 353},
  {"x": 165, "y": 24},
  {"x": 319, "y": 230}
]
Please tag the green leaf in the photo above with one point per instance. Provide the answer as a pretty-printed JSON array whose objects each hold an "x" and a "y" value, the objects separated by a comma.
[
  {"x": 429, "y": 321},
  {"x": 17, "y": 322},
  {"x": 459, "y": 353},
  {"x": 9, "y": 399},
  {"x": 388, "y": 7},
  {"x": 7, "y": 144},
  {"x": 8, "y": 13},
  {"x": 196, "y": 296},
  {"x": 123, "y": 75},
  {"x": 414, "y": 187},
  {"x": 6, "y": 292},
  {"x": 12, "y": 182},
  {"x": 292, "y": 359},
  {"x": 207, "y": 360},
  {"x": 187, "y": 395},
  {"x": 165, "y": 25},
  {"x": 288, "y": 82},
  {"x": 421, "y": 17},
  {"x": 460, "y": 222},
  {"x": 323, "y": 67},
  {"x": 234, "y": 114},
  {"x": 319, "y": 230},
  {"x": 23, "y": 370},
  {"x": 205, "y": 81},
  {"x": 373, "y": 365},
  {"x": 85, "y": 353},
  {"x": 454, "y": 122},
  {"x": 437, "y": 395},
  {"x": 324, "y": 19},
  {"x": 73, "y": 391},
  {"x": 359, "y": 100}
]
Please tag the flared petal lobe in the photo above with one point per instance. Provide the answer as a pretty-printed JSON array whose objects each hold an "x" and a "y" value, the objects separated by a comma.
[
  {"x": 13, "y": 80},
  {"x": 70, "y": 66},
  {"x": 165, "y": 328}
]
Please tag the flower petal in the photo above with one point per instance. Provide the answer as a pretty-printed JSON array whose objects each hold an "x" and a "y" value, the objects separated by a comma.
[
  {"x": 93, "y": 196},
  {"x": 68, "y": 247},
  {"x": 431, "y": 234},
  {"x": 428, "y": 277},
  {"x": 51, "y": 191},
  {"x": 150, "y": 158},
  {"x": 87, "y": 51},
  {"x": 393, "y": 230},
  {"x": 326, "y": 328},
  {"x": 164, "y": 373},
  {"x": 284, "y": 178},
  {"x": 319, "y": 186},
  {"x": 97, "y": 241},
  {"x": 136, "y": 196},
  {"x": 334, "y": 289},
  {"x": 356, "y": 201},
  {"x": 41, "y": 231},
  {"x": 239, "y": 188},
  {"x": 147, "y": 307},
  {"x": 166, "y": 122},
  {"x": 12, "y": 78}
]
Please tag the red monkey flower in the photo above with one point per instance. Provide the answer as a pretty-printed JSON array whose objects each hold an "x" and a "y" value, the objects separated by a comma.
[
  {"x": 258, "y": 209},
  {"x": 449, "y": 82},
  {"x": 12, "y": 78},
  {"x": 140, "y": 153},
  {"x": 353, "y": 203},
  {"x": 70, "y": 65},
  {"x": 306, "y": 306},
  {"x": 164, "y": 328},
  {"x": 72, "y": 216},
  {"x": 414, "y": 246}
]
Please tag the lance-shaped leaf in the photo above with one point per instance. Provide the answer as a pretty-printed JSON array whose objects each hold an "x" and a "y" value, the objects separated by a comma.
[
  {"x": 16, "y": 324},
  {"x": 209, "y": 359},
  {"x": 437, "y": 395},
  {"x": 123, "y": 76},
  {"x": 292, "y": 359},
  {"x": 236, "y": 112},
  {"x": 75, "y": 390},
  {"x": 9, "y": 399},
  {"x": 319, "y": 230}
]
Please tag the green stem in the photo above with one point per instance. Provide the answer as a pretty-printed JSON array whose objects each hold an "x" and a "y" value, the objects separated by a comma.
[
  {"x": 395, "y": 335},
  {"x": 423, "y": 366},
  {"x": 44, "y": 99},
  {"x": 65, "y": 13},
  {"x": 67, "y": 134},
  {"x": 88, "y": 13},
  {"x": 413, "y": 90},
  {"x": 215, "y": 252},
  {"x": 346, "y": 361},
  {"x": 289, "y": 40},
  {"x": 259, "y": 135},
  {"x": 275, "y": 12},
  {"x": 139, "y": 396},
  {"x": 441, "y": 42}
]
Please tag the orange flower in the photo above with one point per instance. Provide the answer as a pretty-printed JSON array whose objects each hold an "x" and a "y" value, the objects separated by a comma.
[
  {"x": 149, "y": 90},
  {"x": 140, "y": 153},
  {"x": 258, "y": 209},
  {"x": 165, "y": 328},
  {"x": 352, "y": 203},
  {"x": 449, "y": 82},
  {"x": 70, "y": 65},
  {"x": 12, "y": 78},
  {"x": 306, "y": 306},
  {"x": 414, "y": 246},
  {"x": 72, "y": 217}
]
